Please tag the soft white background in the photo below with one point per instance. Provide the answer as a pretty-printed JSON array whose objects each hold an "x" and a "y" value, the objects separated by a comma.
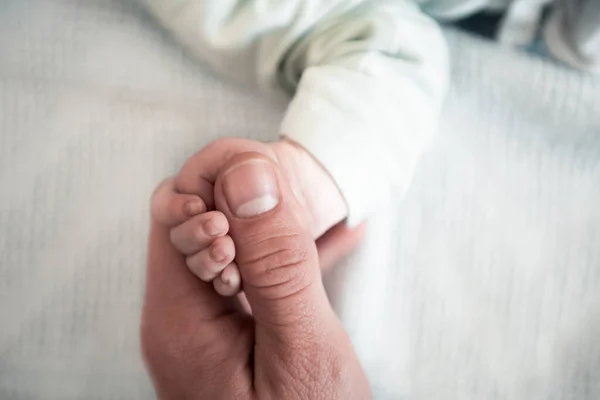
[{"x": 483, "y": 283}]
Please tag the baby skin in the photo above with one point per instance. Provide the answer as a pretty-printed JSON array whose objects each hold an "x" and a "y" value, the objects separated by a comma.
[{"x": 186, "y": 204}]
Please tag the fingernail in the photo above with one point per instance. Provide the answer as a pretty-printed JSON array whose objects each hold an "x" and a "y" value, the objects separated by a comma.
[
  {"x": 217, "y": 253},
  {"x": 225, "y": 279},
  {"x": 194, "y": 207},
  {"x": 250, "y": 188},
  {"x": 213, "y": 226},
  {"x": 230, "y": 277}
]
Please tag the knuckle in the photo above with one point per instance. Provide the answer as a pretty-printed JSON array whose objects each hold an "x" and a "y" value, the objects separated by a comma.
[
  {"x": 162, "y": 185},
  {"x": 203, "y": 270},
  {"x": 203, "y": 274},
  {"x": 178, "y": 238},
  {"x": 209, "y": 225},
  {"x": 199, "y": 233},
  {"x": 212, "y": 225},
  {"x": 188, "y": 205},
  {"x": 157, "y": 199},
  {"x": 223, "y": 248},
  {"x": 192, "y": 263},
  {"x": 181, "y": 182},
  {"x": 176, "y": 211},
  {"x": 174, "y": 237}
]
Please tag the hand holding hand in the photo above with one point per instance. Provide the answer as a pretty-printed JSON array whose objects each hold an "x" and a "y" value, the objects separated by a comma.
[
  {"x": 186, "y": 203},
  {"x": 199, "y": 345}
]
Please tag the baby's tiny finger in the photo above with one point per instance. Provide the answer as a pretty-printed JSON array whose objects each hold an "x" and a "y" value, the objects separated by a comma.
[
  {"x": 229, "y": 283},
  {"x": 198, "y": 232},
  {"x": 208, "y": 263},
  {"x": 171, "y": 208},
  {"x": 192, "y": 205}
]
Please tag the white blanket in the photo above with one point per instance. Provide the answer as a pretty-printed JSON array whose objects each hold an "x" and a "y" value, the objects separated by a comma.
[{"x": 483, "y": 283}]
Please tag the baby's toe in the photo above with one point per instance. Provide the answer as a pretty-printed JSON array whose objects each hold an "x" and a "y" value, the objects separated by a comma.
[
  {"x": 198, "y": 232},
  {"x": 229, "y": 282},
  {"x": 208, "y": 263}
]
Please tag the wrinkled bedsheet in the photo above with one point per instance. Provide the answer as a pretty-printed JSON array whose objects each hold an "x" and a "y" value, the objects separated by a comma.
[{"x": 482, "y": 283}]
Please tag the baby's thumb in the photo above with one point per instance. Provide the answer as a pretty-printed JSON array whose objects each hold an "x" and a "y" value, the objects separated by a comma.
[{"x": 275, "y": 252}]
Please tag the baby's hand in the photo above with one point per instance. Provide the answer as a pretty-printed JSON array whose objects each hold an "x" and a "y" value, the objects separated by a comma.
[
  {"x": 199, "y": 234},
  {"x": 183, "y": 203}
]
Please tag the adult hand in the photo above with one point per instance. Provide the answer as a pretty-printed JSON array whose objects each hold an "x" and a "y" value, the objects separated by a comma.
[
  {"x": 199, "y": 345},
  {"x": 313, "y": 187}
]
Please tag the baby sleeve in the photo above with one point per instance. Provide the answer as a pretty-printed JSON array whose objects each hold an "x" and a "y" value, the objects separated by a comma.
[{"x": 368, "y": 79}]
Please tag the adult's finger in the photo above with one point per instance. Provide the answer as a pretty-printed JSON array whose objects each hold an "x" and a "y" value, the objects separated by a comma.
[
  {"x": 200, "y": 171},
  {"x": 275, "y": 252},
  {"x": 332, "y": 247},
  {"x": 300, "y": 345},
  {"x": 337, "y": 243}
]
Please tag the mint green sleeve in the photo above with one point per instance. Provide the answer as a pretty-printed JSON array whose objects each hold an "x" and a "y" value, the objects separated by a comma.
[{"x": 368, "y": 79}]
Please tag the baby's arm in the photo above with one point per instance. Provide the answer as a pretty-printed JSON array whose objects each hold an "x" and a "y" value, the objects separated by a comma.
[{"x": 369, "y": 78}]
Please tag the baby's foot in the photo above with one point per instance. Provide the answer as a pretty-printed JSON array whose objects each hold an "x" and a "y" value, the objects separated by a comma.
[{"x": 201, "y": 235}]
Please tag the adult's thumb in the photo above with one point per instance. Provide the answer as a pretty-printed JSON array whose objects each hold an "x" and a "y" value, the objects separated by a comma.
[{"x": 275, "y": 252}]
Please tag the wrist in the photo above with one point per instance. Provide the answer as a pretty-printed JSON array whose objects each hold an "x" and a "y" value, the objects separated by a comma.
[{"x": 314, "y": 187}]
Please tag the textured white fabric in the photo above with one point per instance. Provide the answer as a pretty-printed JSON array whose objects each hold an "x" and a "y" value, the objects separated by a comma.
[
  {"x": 359, "y": 68},
  {"x": 370, "y": 75},
  {"x": 484, "y": 283}
]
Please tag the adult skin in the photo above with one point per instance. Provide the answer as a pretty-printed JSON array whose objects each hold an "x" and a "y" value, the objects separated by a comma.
[{"x": 200, "y": 345}]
